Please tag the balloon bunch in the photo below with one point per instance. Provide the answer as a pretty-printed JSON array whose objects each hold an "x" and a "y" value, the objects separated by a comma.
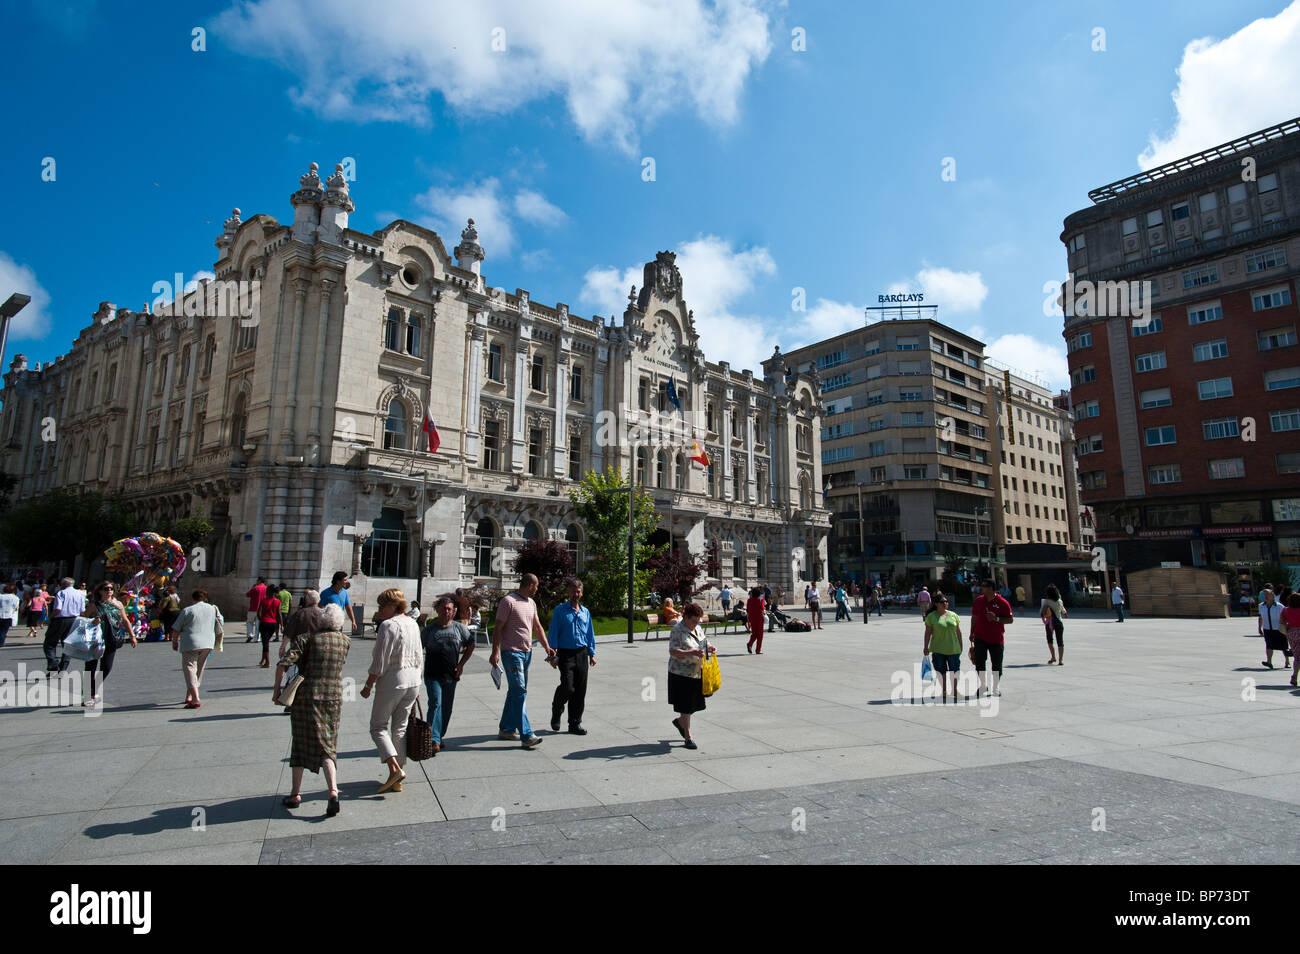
[{"x": 148, "y": 558}]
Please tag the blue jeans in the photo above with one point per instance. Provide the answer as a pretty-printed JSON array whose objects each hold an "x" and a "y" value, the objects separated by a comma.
[
  {"x": 442, "y": 693},
  {"x": 514, "y": 718}
]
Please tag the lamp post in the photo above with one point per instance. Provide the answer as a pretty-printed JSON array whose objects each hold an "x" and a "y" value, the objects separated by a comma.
[
  {"x": 423, "y": 562},
  {"x": 13, "y": 304}
]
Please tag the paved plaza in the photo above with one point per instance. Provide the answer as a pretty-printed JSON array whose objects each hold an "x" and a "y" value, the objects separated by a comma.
[{"x": 1159, "y": 741}]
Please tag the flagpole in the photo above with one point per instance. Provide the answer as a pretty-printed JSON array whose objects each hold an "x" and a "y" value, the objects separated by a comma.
[{"x": 419, "y": 579}]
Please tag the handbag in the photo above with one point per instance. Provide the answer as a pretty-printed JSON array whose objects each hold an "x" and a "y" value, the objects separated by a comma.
[
  {"x": 419, "y": 735},
  {"x": 711, "y": 674},
  {"x": 292, "y": 680},
  {"x": 84, "y": 641}
]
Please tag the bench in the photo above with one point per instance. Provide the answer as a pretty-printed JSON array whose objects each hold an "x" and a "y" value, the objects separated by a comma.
[
  {"x": 727, "y": 624},
  {"x": 653, "y": 625}
]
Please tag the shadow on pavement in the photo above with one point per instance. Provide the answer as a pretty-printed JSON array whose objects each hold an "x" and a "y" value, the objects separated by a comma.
[
  {"x": 252, "y": 808},
  {"x": 615, "y": 752}
]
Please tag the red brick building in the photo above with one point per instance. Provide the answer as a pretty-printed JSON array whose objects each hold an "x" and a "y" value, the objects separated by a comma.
[{"x": 1181, "y": 327}]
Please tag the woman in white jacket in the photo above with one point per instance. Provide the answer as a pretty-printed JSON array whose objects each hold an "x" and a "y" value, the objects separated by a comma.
[{"x": 398, "y": 667}]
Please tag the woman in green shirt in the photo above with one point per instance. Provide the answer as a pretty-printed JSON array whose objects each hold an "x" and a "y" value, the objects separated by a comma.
[
  {"x": 286, "y": 603},
  {"x": 943, "y": 643}
]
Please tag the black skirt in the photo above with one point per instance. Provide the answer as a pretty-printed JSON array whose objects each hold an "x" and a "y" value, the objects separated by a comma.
[
  {"x": 1273, "y": 639},
  {"x": 685, "y": 693}
]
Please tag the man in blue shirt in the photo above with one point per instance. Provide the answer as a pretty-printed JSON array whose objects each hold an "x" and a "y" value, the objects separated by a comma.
[
  {"x": 574, "y": 639},
  {"x": 336, "y": 594}
]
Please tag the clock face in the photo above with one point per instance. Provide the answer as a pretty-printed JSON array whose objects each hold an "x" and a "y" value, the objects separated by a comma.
[{"x": 664, "y": 342}]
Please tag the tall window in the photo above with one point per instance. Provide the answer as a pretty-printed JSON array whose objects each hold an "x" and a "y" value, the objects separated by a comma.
[
  {"x": 536, "y": 452},
  {"x": 485, "y": 542},
  {"x": 112, "y": 382},
  {"x": 573, "y": 542},
  {"x": 538, "y": 382},
  {"x": 413, "y": 329},
  {"x": 395, "y": 426},
  {"x": 494, "y": 364},
  {"x": 642, "y": 465},
  {"x": 393, "y": 330},
  {"x": 683, "y": 473},
  {"x": 209, "y": 352},
  {"x": 737, "y": 560},
  {"x": 387, "y": 551},
  {"x": 708, "y": 417},
  {"x": 575, "y": 457},
  {"x": 532, "y": 532},
  {"x": 661, "y": 470},
  {"x": 239, "y": 422},
  {"x": 643, "y": 395},
  {"x": 185, "y": 364},
  {"x": 247, "y": 337},
  {"x": 575, "y": 384},
  {"x": 491, "y": 446},
  {"x": 738, "y": 481}
]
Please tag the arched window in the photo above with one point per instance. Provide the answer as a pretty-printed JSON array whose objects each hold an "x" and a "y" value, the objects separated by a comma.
[
  {"x": 760, "y": 567},
  {"x": 103, "y": 459},
  {"x": 239, "y": 421},
  {"x": 805, "y": 493},
  {"x": 387, "y": 550},
  {"x": 683, "y": 474},
  {"x": 642, "y": 458},
  {"x": 661, "y": 470},
  {"x": 573, "y": 540},
  {"x": 484, "y": 546},
  {"x": 393, "y": 330},
  {"x": 532, "y": 532},
  {"x": 395, "y": 426},
  {"x": 737, "y": 559}
]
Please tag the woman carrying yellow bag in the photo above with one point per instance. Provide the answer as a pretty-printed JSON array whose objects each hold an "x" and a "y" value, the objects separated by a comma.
[{"x": 687, "y": 652}]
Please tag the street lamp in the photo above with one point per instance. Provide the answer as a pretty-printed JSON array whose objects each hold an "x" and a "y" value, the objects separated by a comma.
[
  {"x": 13, "y": 304},
  {"x": 862, "y": 552}
]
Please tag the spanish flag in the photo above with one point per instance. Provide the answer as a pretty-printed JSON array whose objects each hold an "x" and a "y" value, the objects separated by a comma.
[{"x": 699, "y": 454}]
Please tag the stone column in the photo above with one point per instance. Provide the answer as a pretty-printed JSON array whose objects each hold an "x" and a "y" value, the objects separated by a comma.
[
  {"x": 517, "y": 418},
  {"x": 326, "y": 289},
  {"x": 478, "y": 336},
  {"x": 300, "y": 286},
  {"x": 727, "y": 411},
  {"x": 560, "y": 437}
]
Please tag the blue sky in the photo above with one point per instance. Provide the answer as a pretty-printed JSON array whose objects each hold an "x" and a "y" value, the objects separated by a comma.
[{"x": 775, "y": 168}]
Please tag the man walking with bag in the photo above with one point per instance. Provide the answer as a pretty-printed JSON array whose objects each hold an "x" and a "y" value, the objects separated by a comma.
[
  {"x": 574, "y": 639},
  {"x": 69, "y": 603}
]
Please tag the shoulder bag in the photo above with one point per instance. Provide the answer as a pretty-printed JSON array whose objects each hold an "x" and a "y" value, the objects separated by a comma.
[{"x": 419, "y": 735}]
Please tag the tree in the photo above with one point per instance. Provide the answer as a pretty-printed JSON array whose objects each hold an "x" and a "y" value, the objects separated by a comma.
[
  {"x": 551, "y": 563},
  {"x": 64, "y": 524},
  {"x": 603, "y": 513},
  {"x": 675, "y": 573}
]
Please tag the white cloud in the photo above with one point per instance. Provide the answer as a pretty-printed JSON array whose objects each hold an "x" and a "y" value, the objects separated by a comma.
[
  {"x": 1230, "y": 87},
  {"x": 535, "y": 260},
  {"x": 34, "y": 320},
  {"x": 532, "y": 207},
  {"x": 823, "y": 320},
  {"x": 615, "y": 65},
  {"x": 1024, "y": 353},
  {"x": 715, "y": 277},
  {"x": 953, "y": 292},
  {"x": 447, "y": 210}
]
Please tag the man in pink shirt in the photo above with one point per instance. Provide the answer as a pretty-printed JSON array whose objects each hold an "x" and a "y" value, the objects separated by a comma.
[
  {"x": 512, "y": 647},
  {"x": 989, "y": 618},
  {"x": 256, "y": 596}
]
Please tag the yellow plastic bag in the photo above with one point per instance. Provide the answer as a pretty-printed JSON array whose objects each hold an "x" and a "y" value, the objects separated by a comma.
[{"x": 712, "y": 675}]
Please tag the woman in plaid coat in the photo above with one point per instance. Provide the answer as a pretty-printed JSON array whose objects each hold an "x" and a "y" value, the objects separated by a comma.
[{"x": 318, "y": 705}]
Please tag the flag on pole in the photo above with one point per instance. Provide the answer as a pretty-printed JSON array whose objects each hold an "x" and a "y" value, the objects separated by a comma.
[
  {"x": 435, "y": 441},
  {"x": 699, "y": 454},
  {"x": 672, "y": 394}
]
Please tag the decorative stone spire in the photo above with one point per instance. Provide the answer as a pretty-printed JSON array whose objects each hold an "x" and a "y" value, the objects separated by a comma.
[
  {"x": 469, "y": 253},
  {"x": 336, "y": 206},
  {"x": 306, "y": 206},
  {"x": 232, "y": 225}
]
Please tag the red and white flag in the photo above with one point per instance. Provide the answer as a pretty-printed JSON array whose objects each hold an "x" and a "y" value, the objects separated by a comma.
[
  {"x": 435, "y": 441},
  {"x": 699, "y": 455}
]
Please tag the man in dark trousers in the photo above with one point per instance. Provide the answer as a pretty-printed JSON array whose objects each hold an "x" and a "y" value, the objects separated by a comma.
[{"x": 574, "y": 639}]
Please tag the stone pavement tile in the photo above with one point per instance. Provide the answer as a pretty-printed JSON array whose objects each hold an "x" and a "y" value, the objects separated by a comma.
[
  {"x": 842, "y": 855},
  {"x": 514, "y": 855},
  {"x": 197, "y": 785},
  {"x": 473, "y": 797},
  {"x": 870, "y": 761},
  {"x": 617, "y": 782},
  {"x": 959, "y": 751},
  {"x": 37, "y": 838},
  {"x": 120, "y": 831},
  {"x": 1058, "y": 743},
  {"x": 636, "y": 855},
  {"x": 237, "y": 853},
  {"x": 1160, "y": 765},
  {"x": 893, "y": 725},
  {"x": 802, "y": 738},
  {"x": 489, "y": 837},
  {"x": 1243, "y": 759},
  {"x": 685, "y": 817},
  {"x": 763, "y": 771},
  {"x": 1283, "y": 788},
  {"x": 19, "y": 799},
  {"x": 1132, "y": 734},
  {"x": 60, "y": 768},
  {"x": 359, "y": 807},
  {"x": 226, "y": 752}
]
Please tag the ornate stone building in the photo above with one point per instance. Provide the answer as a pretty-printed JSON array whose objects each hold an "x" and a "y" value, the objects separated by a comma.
[{"x": 285, "y": 400}]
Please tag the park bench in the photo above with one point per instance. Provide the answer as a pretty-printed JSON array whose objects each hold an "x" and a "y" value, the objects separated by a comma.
[{"x": 653, "y": 625}]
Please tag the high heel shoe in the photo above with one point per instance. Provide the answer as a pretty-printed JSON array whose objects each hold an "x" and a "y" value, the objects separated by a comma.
[{"x": 332, "y": 808}]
